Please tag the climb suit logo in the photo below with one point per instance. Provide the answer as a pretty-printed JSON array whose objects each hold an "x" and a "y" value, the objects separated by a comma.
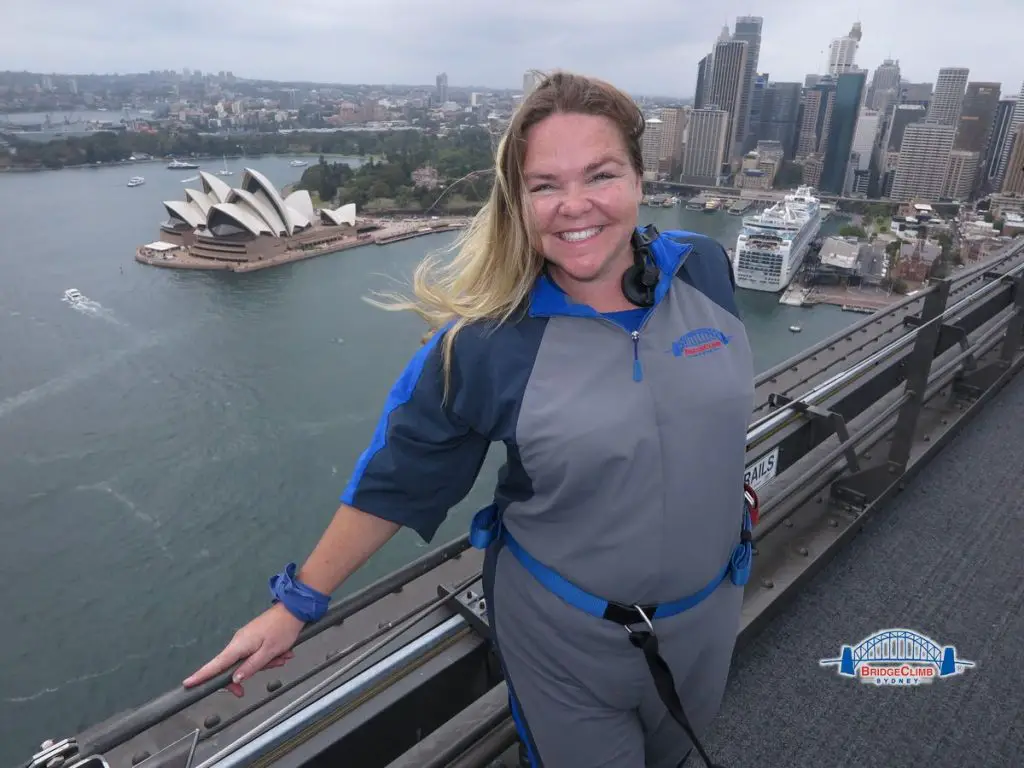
[
  {"x": 700, "y": 342},
  {"x": 897, "y": 657}
]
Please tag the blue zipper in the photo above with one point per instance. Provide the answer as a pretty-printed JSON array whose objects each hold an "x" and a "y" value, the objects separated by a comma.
[{"x": 638, "y": 370}]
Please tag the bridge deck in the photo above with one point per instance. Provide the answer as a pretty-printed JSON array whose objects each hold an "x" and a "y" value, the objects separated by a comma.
[{"x": 943, "y": 559}]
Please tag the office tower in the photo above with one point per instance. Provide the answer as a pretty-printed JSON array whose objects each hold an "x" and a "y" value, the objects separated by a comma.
[
  {"x": 700, "y": 94},
  {"x": 924, "y": 161},
  {"x": 756, "y": 108},
  {"x": 1013, "y": 180},
  {"x": 915, "y": 93},
  {"x": 902, "y": 116},
  {"x": 949, "y": 95},
  {"x": 889, "y": 155},
  {"x": 973, "y": 134},
  {"x": 885, "y": 86},
  {"x": 1016, "y": 119},
  {"x": 977, "y": 116},
  {"x": 726, "y": 87},
  {"x": 780, "y": 114},
  {"x": 960, "y": 174},
  {"x": 748, "y": 29},
  {"x": 442, "y": 88},
  {"x": 706, "y": 135},
  {"x": 846, "y": 106},
  {"x": 650, "y": 147},
  {"x": 816, "y": 120},
  {"x": 531, "y": 79},
  {"x": 843, "y": 52},
  {"x": 673, "y": 121},
  {"x": 865, "y": 138},
  {"x": 999, "y": 135}
]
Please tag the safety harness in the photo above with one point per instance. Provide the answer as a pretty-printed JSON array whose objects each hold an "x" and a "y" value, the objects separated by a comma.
[{"x": 487, "y": 528}]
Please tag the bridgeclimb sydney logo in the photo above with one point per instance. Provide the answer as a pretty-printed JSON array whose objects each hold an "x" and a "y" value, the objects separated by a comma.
[
  {"x": 699, "y": 342},
  {"x": 898, "y": 657}
]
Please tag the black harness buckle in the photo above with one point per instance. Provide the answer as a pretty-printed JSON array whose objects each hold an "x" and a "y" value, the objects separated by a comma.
[{"x": 629, "y": 614}]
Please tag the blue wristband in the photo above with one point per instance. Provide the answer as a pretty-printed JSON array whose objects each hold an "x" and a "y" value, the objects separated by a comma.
[{"x": 302, "y": 601}]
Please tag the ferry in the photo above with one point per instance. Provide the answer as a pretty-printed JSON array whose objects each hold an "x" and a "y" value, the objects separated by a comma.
[
  {"x": 772, "y": 244},
  {"x": 180, "y": 165},
  {"x": 136, "y": 181}
]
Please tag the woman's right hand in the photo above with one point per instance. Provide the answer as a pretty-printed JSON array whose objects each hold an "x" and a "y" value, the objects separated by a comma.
[{"x": 266, "y": 641}]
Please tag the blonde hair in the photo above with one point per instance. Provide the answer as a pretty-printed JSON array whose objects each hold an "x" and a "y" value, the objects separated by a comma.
[{"x": 496, "y": 257}]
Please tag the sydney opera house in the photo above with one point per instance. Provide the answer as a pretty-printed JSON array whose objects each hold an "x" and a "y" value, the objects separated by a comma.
[{"x": 251, "y": 222}]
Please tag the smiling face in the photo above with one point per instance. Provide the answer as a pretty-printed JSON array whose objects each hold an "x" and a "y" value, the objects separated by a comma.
[{"x": 584, "y": 195}]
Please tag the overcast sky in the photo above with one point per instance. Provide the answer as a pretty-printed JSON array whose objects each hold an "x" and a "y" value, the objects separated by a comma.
[{"x": 644, "y": 46}]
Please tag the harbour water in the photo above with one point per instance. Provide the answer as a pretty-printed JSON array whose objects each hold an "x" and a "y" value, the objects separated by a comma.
[{"x": 171, "y": 443}]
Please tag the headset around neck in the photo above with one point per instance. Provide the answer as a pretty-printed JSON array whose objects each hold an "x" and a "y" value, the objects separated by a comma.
[{"x": 640, "y": 280}]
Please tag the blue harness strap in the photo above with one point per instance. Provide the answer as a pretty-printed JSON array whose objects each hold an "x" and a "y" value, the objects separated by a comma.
[{"x": 487, "y": 527}]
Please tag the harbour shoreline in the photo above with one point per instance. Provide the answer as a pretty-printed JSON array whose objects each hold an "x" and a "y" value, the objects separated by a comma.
[
  {"x": 178, "y": 257},
  {"x": 848, "y": 299}
]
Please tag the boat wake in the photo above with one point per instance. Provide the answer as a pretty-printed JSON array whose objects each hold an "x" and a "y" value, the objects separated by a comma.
[
  {"x": 82, "y": 373},
  {"x": 88, "y": 306}
]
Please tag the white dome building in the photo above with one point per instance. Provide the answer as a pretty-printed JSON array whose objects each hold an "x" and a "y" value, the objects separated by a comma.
[{"x": 251, "y": 221}]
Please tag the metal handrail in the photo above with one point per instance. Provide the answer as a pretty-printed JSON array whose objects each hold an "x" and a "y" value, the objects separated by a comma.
[
  {"x": 1014, "y": 249},
  {"x": 771, "y": 423}
]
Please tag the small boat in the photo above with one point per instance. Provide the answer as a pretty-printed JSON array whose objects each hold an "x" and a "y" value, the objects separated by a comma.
[
  {"x": 795, "y": 328},
  {"x": 298, "y": 163},
  {"x": 225, "y": 171},
  {"x": 136, "y": 181},
  {"x": 177, "y": 165},
  {"x": 72, "y": 295}
]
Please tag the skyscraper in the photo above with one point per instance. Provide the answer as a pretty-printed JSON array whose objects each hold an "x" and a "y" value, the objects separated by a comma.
[
  {"x": 1015, "y": 120},
  {"x": 780, "y": 113},
  {"x": 973, "y": 134},
  {"x": 924, "y": 161},
  {"x": 816, "y": 117},
  {"x": 843, "y": 51},
  {"x": 865, "y": 137},
  {"x": 673, "y": 121},
  {"x": 948, "y": 99},
  {"x": 442, "y": 88},
  {"x": 976, "y": 117},
  {"x": 531, "y": 79},
  {"x": 748, "y": 29},
  {"x": 846, "y": 106},
  {"x": 651, "y": 148},
  {"x": 1013, "y": 179},
  {"x": 902, "y": 116},
  {"x": 726, "y": 87},
  {"x": 999, "y": 135},
  {"x": 706, "y": 135},
  {"x": 703, "y": 79},
  {"x": 885, "y": 86}
]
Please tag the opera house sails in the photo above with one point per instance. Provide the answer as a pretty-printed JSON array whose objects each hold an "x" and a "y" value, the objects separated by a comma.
[{"x": 251, "y": 222}]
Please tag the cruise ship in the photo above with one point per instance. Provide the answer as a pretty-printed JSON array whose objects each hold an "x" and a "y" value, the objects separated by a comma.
[{"x": 772, "y": 244}]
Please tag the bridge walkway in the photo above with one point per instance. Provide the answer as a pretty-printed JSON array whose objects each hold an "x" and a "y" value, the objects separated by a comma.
[{"x": 944, "y": 558}]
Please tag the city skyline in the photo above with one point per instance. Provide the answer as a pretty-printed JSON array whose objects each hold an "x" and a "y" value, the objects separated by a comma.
[{"x": 490, "y": 44}]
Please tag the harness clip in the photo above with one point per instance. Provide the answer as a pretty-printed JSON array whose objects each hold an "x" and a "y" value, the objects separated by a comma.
[{"x": 644, "y": 616}]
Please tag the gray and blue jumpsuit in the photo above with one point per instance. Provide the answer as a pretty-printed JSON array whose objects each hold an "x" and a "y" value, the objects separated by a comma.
[{"x": 625, "y": 435}]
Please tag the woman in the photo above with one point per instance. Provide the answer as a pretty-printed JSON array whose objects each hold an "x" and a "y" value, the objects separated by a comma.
[{"x": 612, "y": 363}]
